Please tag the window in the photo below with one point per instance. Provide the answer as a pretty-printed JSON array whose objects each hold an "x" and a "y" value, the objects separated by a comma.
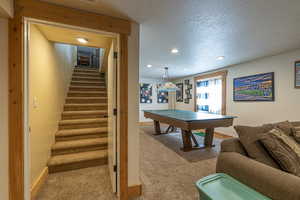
[{"x": 210, "y": 93}]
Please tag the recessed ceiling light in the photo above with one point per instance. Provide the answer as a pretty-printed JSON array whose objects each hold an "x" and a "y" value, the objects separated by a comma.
[
  {"x": 82, "y": 40},
  {"x": 220, "y": 58},
  {"x": 149, "y": 66},
  {"x": 174, "y": 51}
]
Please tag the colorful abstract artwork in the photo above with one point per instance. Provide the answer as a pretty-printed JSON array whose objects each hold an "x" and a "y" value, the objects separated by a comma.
[
  {"x": 179, "y": 92},
  {"x": 297, "y": 74},
  {"x": 145, "y": 93},
  {"x": 259, "y": 87},
  {"x": 162, "y": 96}
]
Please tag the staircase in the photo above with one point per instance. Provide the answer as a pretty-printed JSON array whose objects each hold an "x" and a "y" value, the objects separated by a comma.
[{"x": 81, "y": 140}]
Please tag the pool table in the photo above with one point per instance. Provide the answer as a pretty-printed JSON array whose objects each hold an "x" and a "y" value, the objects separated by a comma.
[{"x": 188, "y": 121}]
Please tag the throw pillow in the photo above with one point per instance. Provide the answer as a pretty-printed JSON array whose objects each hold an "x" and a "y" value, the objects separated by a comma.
[
  {"x": 249, "y": 137},
  {"x": 286, "y": 126},
  {"x": 284, "y": 150},
  {"x": 296, "y": 133}
]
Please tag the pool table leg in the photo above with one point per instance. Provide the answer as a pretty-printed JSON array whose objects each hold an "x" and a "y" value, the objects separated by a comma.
[
  {"x": 186, "y": 139},
  {"x": 157, "y": 127},
  {"x": 209, "y": 136}
]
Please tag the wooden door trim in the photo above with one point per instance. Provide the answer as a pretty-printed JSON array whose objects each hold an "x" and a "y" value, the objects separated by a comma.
[
  {"x": 223, "y": 74},
  {"x": 58, "y": 14},
  {"x": 70, "y": 16}
]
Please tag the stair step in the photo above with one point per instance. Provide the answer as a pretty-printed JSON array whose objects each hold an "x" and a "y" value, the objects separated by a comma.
[
  {"x": 84, "y": 114},
  {"x": 87, "y": 74},
  {"x": 79, "y": 69},
  {"x": 82, "y": 123},
  {"x": 75, "y": 146},
  {"x": 74, "y": 161},
  {"x": 87, "y": 88},
  {"x": 87, "y": 94},
  {"x": 85, "y": 100},
  {"x": 88, "y": 83},
  {"x": 91, "y": 106},
  {"x": 87, "y": 78},
  {"x": 85, "y": 133}
]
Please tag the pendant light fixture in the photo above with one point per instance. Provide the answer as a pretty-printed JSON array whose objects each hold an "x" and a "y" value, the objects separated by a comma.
[{"x": 167, "y": 85}]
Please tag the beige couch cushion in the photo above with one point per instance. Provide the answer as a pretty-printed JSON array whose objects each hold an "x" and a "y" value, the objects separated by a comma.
[
  {"x": 249, "y": 137},
  {"x": 284, "y": 149}
]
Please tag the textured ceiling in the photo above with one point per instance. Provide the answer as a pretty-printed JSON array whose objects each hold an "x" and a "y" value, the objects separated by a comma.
[{"x": 240, "y": 30}]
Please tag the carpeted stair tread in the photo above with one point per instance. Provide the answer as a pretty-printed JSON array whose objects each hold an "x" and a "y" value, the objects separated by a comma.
[
  {"x": 82, "y": 121},
  {"x": 87, "y": 92},
  {"x": 86, "y": 70},
  {"x": 79, "y": 143},
  {"x": 87, "y": 82},
  {"x": 83, "y": 131},
  {"x": 91, "y": 74},
  {"x": 89, "y": 87},
  {"x": 87, "y": 78},
  {"x": 86, "y": 104},
  {"x": 77, "y": 157},
  {"x": 85, "y": 112},
  {"x": 85, "y": 98}
]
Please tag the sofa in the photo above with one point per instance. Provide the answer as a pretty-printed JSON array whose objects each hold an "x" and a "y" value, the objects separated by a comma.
[{"x": 272, "y": 182}]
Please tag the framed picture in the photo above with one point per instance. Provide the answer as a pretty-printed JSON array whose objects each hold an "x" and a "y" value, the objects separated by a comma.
[
  {"x": 297, "y": 74},
  {"x": 179, "y": 93},
  {"x": 190, "y": 86},
  {"x": 259, "y": 87},
  {"x": 186, "y": 101},
  {"x": 186, "y": 82},
  {"x": 187, "y": 91},
  {"x": 162, "y": 96},
  {"x": 145, "y": 93}
]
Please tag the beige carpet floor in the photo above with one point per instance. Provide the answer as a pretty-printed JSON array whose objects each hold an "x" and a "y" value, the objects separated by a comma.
[
  {"x": 165, "y": 175},
  {"x": 84, "y": 184},
  {"x": 168, "y": 176},
  {"x": 174, "y": 142}
]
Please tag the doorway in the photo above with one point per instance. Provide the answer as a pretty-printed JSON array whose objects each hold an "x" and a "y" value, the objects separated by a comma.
[{"x": 86, "y": 95}]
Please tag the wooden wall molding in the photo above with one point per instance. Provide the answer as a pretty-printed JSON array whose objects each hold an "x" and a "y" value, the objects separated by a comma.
[
  {"x": 123, "y": 113},
  {"x": 222, "y": 74},
  {"x": 134, "y": 191},
  {"x": 35, "y": 188},
  {"x": 58, "y": 14}
]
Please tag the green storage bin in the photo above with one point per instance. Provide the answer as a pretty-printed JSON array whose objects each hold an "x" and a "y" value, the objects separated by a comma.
[{"x": 223, "y": 187}]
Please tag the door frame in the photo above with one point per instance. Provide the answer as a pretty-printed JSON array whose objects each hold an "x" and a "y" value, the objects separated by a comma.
[{"x": 57, "y": 14}]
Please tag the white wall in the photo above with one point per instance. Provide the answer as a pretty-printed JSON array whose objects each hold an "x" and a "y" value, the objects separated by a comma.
[
  {"x": 287, "y": 99},
  {"x": 154, "y": 105},
  {"x": 6, "y": 8},
  {"x": 50, "y": 72},
  {"x": 4, "y": 109},
  {"x": 133, "y": 106}
]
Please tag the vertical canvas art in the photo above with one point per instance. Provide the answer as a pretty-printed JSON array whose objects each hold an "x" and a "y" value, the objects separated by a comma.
[
  {"x": 179, "y": 92},
  {"x": 297, "y": 74},
  {"x": 259, "y": 87},
  {"x": 145, "y": 93},
  {"x": 162, "y": 96}
]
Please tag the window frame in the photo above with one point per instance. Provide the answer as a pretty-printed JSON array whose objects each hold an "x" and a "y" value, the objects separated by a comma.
[{"x": 223, "y": 75}]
